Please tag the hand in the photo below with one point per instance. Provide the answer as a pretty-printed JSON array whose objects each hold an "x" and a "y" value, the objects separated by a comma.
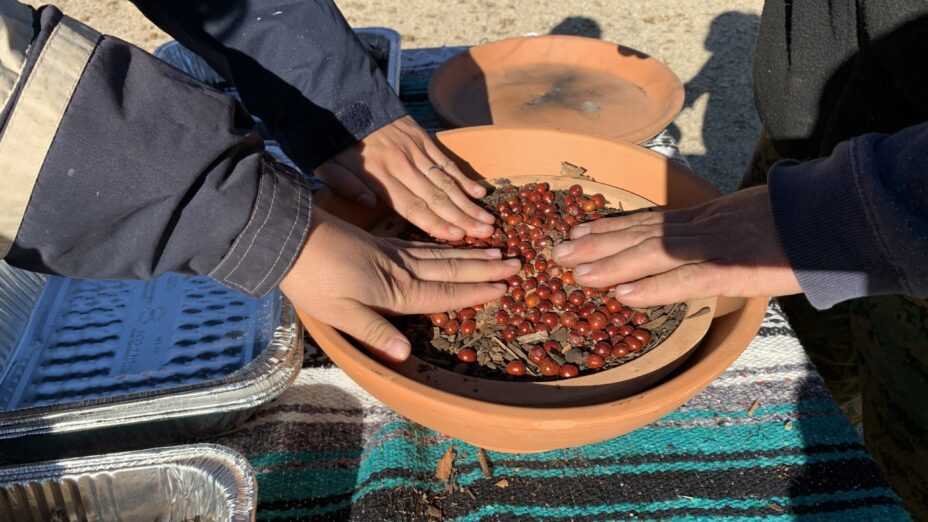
[
  {"x": 726, "y": 247},
  {"x": 392, "y": 164},
  {"x": 346, "y": 277}
]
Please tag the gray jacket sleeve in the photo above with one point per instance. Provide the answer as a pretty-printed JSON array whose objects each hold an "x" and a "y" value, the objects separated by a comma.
[
  {"x": 856, "y": 223},
  {"x": 127, "y": 168}
]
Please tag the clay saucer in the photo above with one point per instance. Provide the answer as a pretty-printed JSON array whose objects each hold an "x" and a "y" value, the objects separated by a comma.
[
  {"x": 494, "y": 152},
  {"x": 596, "y": 387},
  {"x": 559, "y": 82}
]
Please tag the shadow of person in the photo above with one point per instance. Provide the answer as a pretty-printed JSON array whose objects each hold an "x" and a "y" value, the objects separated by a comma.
[
  {"x": 578, "y": 26},
  {"x": 306, "y": 447},
  {"x": 730, "y": 123}
]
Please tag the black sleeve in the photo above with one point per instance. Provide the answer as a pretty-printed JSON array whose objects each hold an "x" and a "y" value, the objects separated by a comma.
[
  {"x": 296, "y": 64},
  {"x": 150, "y": 171}
]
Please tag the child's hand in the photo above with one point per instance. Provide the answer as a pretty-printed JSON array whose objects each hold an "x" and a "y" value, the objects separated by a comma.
[
  {"x": 347, "y": 278},
  {"x": 726, "y": 247}
]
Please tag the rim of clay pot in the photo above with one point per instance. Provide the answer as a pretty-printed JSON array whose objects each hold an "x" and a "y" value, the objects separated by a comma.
[
  {"x": 502, "y": 58},
  {"x": 525, "y": 429}
]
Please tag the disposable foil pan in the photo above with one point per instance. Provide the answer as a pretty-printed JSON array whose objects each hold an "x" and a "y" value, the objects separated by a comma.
[
  {"x": 382, "y": 43},
  {"x": 95, "y": 366},
  {"x": 201, "y": 482}
]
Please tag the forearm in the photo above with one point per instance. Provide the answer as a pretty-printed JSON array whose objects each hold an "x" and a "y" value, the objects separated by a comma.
[
  {"x": 856, "y": 223},
  {"x": 141, "y": 172},
  {"x": 296, "y": 64}
]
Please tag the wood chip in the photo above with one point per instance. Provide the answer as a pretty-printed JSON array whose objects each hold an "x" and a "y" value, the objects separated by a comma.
[
  {"x": 534, "y": 337},
  {"x": 776, "y": 507},
  {"x": 484, "y": 464},
  {"x": 702, "y": 311},
  {"x": 570, "y": 170},
  {"x": 753, "y": 408},
  {"x": 434, "y": 512},
  {"x": 445, "y": 465},
  {"x": 470, "y": 494},
  {"x": 657, "y": 322},
  {"x": 502, "y": 484}
]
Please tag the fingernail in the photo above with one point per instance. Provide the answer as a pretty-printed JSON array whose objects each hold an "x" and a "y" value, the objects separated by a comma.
[
  {"x": 478, "y": 190},
  {"x": 493, "y": 253},
  {"x": 579, "y": 231},
  {"x": 582, "y": 270},
  {"x": 624, "y": 289},
  {"x": 501, "y": 286},
  {"x": 397, "y": 348},
  {"x": 562, "y": 250},
  {"x": 483, "y": 228},
  {"x": 455, "y": 231},
  {"x": 366, "y": 199},
  {"x": 513, "y": 262},
  {"x": 486, "y": 217}
]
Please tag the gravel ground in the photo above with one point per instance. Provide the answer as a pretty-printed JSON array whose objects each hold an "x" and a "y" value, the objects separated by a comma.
[{"x": 708, "y": 43}]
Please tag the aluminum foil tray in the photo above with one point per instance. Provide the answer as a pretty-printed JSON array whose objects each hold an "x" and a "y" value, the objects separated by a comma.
[
  {"x": 93, "y": 365},
  {"x": 203, "y": 482}
]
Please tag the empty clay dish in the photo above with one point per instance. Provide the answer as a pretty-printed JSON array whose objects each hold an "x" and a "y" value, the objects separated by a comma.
[
  {"x": 559, "y": 82},
  {"x": 495, "y": 152},
  {"x": 595, "y": 387}
]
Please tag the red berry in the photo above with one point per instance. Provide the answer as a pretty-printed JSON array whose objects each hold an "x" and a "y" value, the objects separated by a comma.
[
  {"x": 439, "y": 319},
  {"x": 516, "y": 368},
  {"x": 642, "y": 335},
  {"x": 549, "y": 368},
  {"x": 595, "y": 361},
  {"x": 468, "y": 327},
  {"x": 576, "y": 297},
  {"x": 599, "y": 336},
  {"x": 602, "y": 349},
  {"x": 533, "y": 315},
  {"x": 639, "y": 319},
  {"x": 526, "y": 327},
  {"x": 634, "y": 345},
  {"x": 544, "y": 306},
  {"x": 599, "y": 200},
  {"x": 586, "y": 310},
  {"x": 575, "y": 338},
  {"x": 536, "y": 354},
  {"x": 550, "y": 320},
  {"x": 556, "y": 283},
  {"x": 620, "y": 350},
  {"x": 589, "y": 292},
  {"x": 613, "y": 305},
  {"x": 568, "y": 278},
  {"x": 584, "y": 328},
  {"x": 568, "y": 371},
  {"x": 509, "y": 333},
  {"x": 517, "y": 293},
  {"x": 569, "y": 319},
  {"x": 575, "y": 190},
  {"x": 452, "y": 327},
  {"x": 589, "y": 206},
  {"x": 467, "y": 355},
  {"x": 532, "y": 300},
  {"x": 552, "y": 346},
  {"x": 626, "y": 330},
  {"x": 558, "y": 298},
  {"x": 618, "y": 319},
  {"x": 514, "y": 281},
  {"x": 467, "y": 313},
  {"x": 502, "y": 317},
  {"x": 597, "y": 321}
]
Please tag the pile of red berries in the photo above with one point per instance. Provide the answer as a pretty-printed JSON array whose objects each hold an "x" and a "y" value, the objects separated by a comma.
[{"x": 544, "y": 296}]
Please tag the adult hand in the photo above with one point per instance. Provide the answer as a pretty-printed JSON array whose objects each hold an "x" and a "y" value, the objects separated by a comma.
[
  {"x": 347, "y": 278},
  {"x": 726, "y": 247},
  {"x": 395, "y": 164}
]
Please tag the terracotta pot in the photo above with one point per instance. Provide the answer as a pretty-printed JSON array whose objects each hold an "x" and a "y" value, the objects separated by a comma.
[
  {"x": 559, "y": 82},
  {"x": 500, "y": 152}
]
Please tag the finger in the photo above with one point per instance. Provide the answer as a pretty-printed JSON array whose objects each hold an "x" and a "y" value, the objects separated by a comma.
[
  {"x": 643, "y": 218},
  {"x": 439, "y": 199},
  {"x": 426, "y": 252},
  {"x": 692, "y": 281},
  {"x": 425, "y": 297},
  {"x": 444, "y": 182},
  {"x": 345, "y": 183},
  {"x": 650, "y": 257},
  {"x": 590, "y": 248},
  {"x": 463, "y": 270},
  {"x": 470, "y": 186},
  {"x": 380, "y": 337}
]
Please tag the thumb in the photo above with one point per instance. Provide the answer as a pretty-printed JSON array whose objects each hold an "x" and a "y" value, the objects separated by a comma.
[
  {"x": 380, "y": 337},
  {"x": 345, "y": 183}
]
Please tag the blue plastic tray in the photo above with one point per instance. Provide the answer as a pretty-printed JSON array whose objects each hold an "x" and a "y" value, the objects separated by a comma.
[{"x": 97, "y": 339}]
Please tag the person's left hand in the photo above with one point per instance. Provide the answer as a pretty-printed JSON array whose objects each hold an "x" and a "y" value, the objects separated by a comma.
[
  {"x": 726, "y": 247},
  {"x": 400, "y": 165}
]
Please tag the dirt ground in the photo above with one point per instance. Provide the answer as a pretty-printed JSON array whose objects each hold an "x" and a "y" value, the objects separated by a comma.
[{"x": 708, "y": 43}]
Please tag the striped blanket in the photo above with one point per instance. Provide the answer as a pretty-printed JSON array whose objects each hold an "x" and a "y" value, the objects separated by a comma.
[{"x": 764, "y": 441}]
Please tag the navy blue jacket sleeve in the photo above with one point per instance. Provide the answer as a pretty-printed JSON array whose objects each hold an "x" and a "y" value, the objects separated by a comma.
[
  {"x": 296, "y": 64},
  {"x": 856, "y": 223}
]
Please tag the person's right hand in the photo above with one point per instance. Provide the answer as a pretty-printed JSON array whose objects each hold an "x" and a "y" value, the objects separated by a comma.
[{"x": 347, "y": 278}]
